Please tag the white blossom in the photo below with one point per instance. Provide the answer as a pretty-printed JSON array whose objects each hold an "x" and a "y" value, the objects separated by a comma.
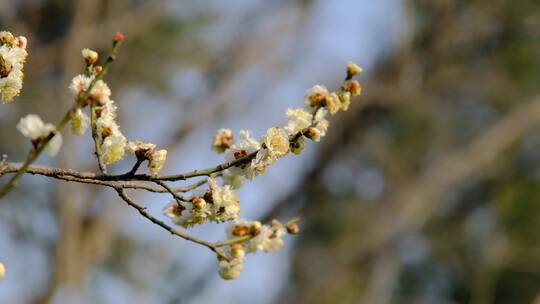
[
  {"x": 223, "y": 140},
  {"x": 234, "y": 180},
  {"x": 33, "y": 127},
  {"x": 156, "y": 162},
  {"x": 134, "y": 146},
  {"x": 297, "y": 120},
  {"x": 54, "y": 145},
  {"x": 89, "y": 56},
  {"x": 333, "y": 104},
  {"x": 353, "y": 69},
  {"x": 113, "y": 148},
  {"x": 101, "y": 92},
  {"x": 225, "y": 203},
  {"x": 12, "y": 58},
  {"x": 230, "y": 270},
  {"x": 276, "y": 141},
  {"x": 321, "y": 125},
  {"x": 79, "y": 122},
  {"x": 264, "y": 237},
  {"x": 80, "y": 84},
  {"x": 245, "y": 146},
  {"x": 188, "y": 214},
  {"x": 353, "y": 87},
  {"x": 345, "y": 100},
  {"x": 315, "y": 96}
]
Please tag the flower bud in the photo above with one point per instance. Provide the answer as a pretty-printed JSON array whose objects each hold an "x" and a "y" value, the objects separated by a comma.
[
  {"x": 353, "y": 69},
  {"x": 237, "y": 250},
  {"x": 297, "y": 145},
  {"x": 198, "y": 203},
  {"x": 240, "y": 230},
  {"x": 345, "y": 100},
  {"x": 293, "y": 228},
  {"x": 332, "y": 103},
  {"x": 90, "y": 56},
  {"x": 79, "y": 122},
  {"x": 312, "y": 133}
]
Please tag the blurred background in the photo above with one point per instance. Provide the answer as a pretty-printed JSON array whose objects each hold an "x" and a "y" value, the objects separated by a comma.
[{"x": 426, "y": 191}]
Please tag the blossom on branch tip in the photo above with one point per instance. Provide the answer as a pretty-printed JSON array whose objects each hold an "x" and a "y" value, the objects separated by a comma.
[
  {"x": 33, "y": 127},
  {"x": 90, "y": 56},
  {"x": 353, "y": 69},
  {"x": 2, "y": 271},
  {"x": 229, "y": 270},
  {"x": 12, "y": 58},
  {"x": 223, "y": 140}
]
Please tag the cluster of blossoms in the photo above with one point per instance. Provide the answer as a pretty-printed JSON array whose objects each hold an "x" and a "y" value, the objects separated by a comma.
[
  {"x": 253, "y": 237},
  {"x": 250, "y": 158},
  {"x": 111, "y": 143},
  {"x": 12, "y": 58},
  {"x": 218, "y": 204}
]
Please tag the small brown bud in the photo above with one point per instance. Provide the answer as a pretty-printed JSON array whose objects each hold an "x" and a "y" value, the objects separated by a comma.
[
  {"x": 240, "y": 230},
  {"x": 106, "y": 132},
  {"x": 254, "y": 230},
  {"x": 208, "y": 197},
  {"x": 98, "y": 69},
  {"x": 240, "y": 154},
  {"x": 310, "y": 133},
  {"x": 293, "y": 228}
]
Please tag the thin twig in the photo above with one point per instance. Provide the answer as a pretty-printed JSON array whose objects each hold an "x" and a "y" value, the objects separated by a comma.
[
  {"x": 87, "y": 178},
  {"x": 170, "y": 229},
  {"x": 179, "y": 199}
]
